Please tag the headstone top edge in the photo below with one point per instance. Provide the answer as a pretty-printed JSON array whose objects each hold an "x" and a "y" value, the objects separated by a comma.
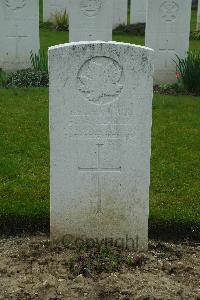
[{"x": 84, "y": 43}]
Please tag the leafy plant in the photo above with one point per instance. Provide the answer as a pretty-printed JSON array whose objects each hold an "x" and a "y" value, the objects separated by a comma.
[
  {"x": 188, "y": 72},
  {"x": 39, "y": 61},
  {"x": 27, "y": 78},
  {"x": 90, "y": 261},
  {"x": 169, "y": 89},
  {"x": 60, "y": 21},
  {"x": 3, "y": 77},
  {"x": 136, "y": 29},
  {"x": 195, "y": 35}
]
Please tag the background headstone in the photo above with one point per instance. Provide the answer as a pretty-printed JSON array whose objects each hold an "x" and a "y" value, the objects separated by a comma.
[
  {"x": 138, "y": 11},
  {"x": 90, "y": 20},
  {"x": 19, "y": 33},
  {"x": 120, "y": 13},
  {"x": 52, "y": 6},
  {"x": 167, "y": 32},
  {"x": 100, "y": 112},
  {"x": 198, "y": 16}
]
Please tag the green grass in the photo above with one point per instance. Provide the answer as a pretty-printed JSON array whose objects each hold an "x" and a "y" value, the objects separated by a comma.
[
  {"x": 24, "y": 150},
  {"x": 193, "y": 20},
  {"x": 175, "y": 166},
  {"x": 24, "y": 157}
]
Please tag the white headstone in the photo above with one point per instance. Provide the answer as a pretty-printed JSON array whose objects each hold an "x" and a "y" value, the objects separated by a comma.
[
  {"x": 198, "y": 16},
  {"x": 90, "y": 20},
  {"x": 120, "y": 13},
  {"x": 19, "y": 32},
  {"x": 167, "y": 32},
  {"x": 138, "y": 11},
  {"x": 100, "y": 132},
  {"x": 51, "y": 7}
]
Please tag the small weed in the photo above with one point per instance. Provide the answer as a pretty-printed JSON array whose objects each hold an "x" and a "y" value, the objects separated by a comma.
[
  {"x": 3, "y": 77},
  {"x": 195, "y": 35},
  {"x": 39, "y": 61},
  {"x": 101, "y": 259},
  {"x": 188, "y": 72},
  {"x": 60, "y": 21},
  {"x": 27, "y": 78}
]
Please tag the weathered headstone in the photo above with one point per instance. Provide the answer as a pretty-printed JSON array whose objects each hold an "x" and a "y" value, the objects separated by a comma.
[
  {"x": 138, "y": 11},
  {"x": 198, "y": 16},
  {"x": 51, "y": 7},
  {"x": 100, "y": 132},
  {"x": 120, "y": 13},
  {"x": 19, "y": 32},
  {"x": 167, "y": 32},
  {"x": 90, "y": 20}
]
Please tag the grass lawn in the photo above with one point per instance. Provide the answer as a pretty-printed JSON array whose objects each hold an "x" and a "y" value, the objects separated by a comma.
[
  {"x": 24, "y": 158},
  {"x": 24, "y": 154}
]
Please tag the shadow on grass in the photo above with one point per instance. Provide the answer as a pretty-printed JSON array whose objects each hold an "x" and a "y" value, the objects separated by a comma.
[{"x": 158, "y": 230}]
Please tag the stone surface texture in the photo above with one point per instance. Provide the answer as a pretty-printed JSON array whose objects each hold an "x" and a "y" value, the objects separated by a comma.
[
  {"x": 100, "y": 132},
  {"x": 19, "y": 32},
  {"x": 90, "y": 20},
  {"x": 198, "y": 16},
  {"x": 120, "y": 13},
  {"x": 167, "y": 32},
  {"x": 138, "y": 11},
  {"x": 52, "y": 6}
]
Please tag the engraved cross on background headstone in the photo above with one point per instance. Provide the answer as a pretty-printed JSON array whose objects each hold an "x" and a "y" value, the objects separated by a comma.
[
  {"x": 17, "y": 36},
  {"x": 99, "y": 170},
  {"x": 167, "y": 49}
]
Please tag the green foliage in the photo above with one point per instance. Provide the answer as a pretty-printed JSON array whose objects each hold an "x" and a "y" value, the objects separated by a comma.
[
  {"x": 166, "y": 86},
  {"x": 195, "y": 35},
  {"x": 93, "y": 260},
  {"x": 135, "y": 29},
  {"x": 39, "y": 61},
  {"x": 24, "y": 160},
  {"x": 27, "y": 78},
  {"x": 3, "y": 77},
  {"x": 24, "y": 156},
  {"x": 170, "y": 89},
  {"x": 35, "y": 77},
  {"x": 60, "y": 21},
  {"x": 188, "y": 72}
]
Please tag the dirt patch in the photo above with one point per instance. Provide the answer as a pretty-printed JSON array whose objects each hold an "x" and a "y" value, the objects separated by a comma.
[{"x": 31, "y": 269}]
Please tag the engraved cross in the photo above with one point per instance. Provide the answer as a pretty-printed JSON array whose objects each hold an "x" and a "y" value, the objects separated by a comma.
[
  {"x": 167, "y": 49},
  {"x": 17, "y": 36},
  {"x": 99, "y": 170}
]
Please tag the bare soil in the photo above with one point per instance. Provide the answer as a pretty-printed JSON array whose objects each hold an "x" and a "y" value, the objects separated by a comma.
[{"x": 30, "y": 268}]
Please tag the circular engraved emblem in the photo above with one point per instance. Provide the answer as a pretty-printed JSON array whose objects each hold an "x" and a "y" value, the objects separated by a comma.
[
  {"x": 100, "y": 80},
  {"x": 15, "y": 4},
  {"x": 169, "y": 10},
  {"x": 90, "y": 8}
]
